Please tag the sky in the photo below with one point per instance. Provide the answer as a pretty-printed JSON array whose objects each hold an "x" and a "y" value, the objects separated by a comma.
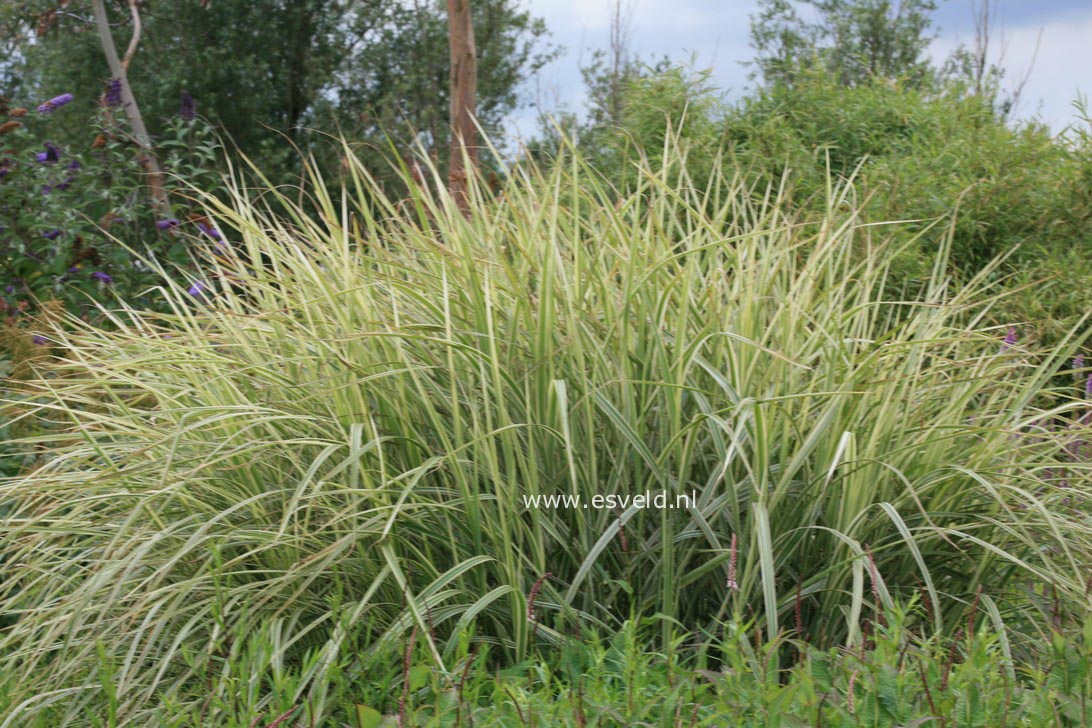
[{"x": 1051, "y": 39}]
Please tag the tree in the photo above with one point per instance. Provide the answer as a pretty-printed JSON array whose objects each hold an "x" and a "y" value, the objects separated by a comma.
[
  {"x": 256, "y": 68},
  {"x": 464, "y": 94},
  {"x": 396, "y": 76},
  {"x": 610, "y": 72},
  {"x": 854, "y": 40},
  {"x": 610, "y": 78},
  {"x": 981, "y": 76}
]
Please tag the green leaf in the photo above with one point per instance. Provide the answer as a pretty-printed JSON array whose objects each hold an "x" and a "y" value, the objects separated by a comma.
[
  {"x": 367, "y": 717},
  {"x": 887, "y": 690},
  {"x": 419, "y": 676},
  {"x": 819, "y": 667}
]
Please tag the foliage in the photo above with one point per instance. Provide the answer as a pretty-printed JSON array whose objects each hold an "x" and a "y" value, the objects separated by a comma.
[
  {"x": 848, "y": 90},
  {"x": 633, "y": 125},
  {"x": 337, "y": 445},
  {"x": 922, "y": 154},
  {"x": 265, "y": 71},
  {"x": 899, "y": 679},
  {"x": 77, "y": 219}
]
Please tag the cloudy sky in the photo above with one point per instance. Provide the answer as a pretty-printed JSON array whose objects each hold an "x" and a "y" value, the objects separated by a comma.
[{"x": 715, "y": 33}]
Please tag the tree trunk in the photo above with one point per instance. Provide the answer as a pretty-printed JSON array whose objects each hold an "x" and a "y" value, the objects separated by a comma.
[
  {"x": 464, "y": 95},
  {"x": 140, "y": 133}
]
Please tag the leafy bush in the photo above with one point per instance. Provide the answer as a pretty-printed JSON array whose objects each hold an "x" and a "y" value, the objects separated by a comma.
[
  {"x": 922, "y": 154},
  {"x": 637, "y": 119},
  {"x": 75, "y": 222},
  {"x": 925, "y": 154},
  {"x": 335, "y": 446}
]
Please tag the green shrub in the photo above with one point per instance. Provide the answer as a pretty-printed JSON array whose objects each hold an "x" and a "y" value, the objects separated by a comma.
[
  {"x": 337, "y": 445},
  {"x": 77, "y": 221},
  {"x": 668, "y": 110},
  {"x": 925, "y": 154},
  {"x": 922, "y": 154}
]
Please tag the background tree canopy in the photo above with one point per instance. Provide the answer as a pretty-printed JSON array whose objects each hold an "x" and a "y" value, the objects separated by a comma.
[
  {"x": 854, "y": 40},
  {"x": 265, "y": 69}
]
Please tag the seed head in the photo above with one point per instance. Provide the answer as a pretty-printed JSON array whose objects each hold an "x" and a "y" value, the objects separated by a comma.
[
  {"x": 733, "y": 554},
  {"x": 533, "y": 595}
]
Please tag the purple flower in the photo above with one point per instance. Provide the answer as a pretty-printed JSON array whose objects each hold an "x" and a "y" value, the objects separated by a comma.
[
  {"x": 51, "y": 155},
  {"x": 54, "y": 103},
  {"x": 52, "y": 234},
  {"x": 1010, "y": 338},
  {"x": 168, "y": 223},
  {"x": 210, "y": 231},
  {"x": 104, "y": 277},
  {"x": 75, "y": 165},
  {"x": 39, "y": 339},
  {"x": 1088, "y": 385},
  {"x": 112, "y": 97},
  {"x": 198, "y": 289},
  {"x": 187, "y": 109}
]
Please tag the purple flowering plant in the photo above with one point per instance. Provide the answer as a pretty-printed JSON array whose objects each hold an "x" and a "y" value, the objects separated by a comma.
[
  {"x": 187, "y": 107},
  {"x": 67, "y": 199},
  {"x": 51, "y": 155},
  {"x": 55, "y": 103},
  {"x": 112, "y": 97}
]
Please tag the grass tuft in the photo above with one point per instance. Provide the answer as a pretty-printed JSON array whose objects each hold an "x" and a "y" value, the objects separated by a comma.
[{"x": 331, "y": 450}]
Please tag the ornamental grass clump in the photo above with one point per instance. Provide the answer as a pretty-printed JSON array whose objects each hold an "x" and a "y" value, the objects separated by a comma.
[{"x": 337, "y": 447}]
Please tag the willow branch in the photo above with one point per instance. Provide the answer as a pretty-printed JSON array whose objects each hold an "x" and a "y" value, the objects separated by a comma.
[{"x": 135, "y": 40}]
